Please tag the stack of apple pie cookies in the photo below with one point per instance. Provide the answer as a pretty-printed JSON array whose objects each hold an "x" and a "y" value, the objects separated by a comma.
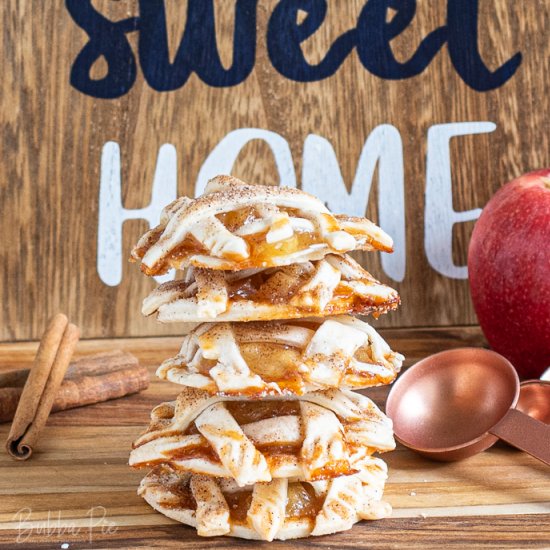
[{"x": 267, "y": 440}]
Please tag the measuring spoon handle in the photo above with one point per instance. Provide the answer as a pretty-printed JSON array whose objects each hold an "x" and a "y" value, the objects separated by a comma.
[{"x": 525, "y": 433}]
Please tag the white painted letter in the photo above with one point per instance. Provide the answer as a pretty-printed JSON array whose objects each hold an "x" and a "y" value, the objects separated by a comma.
[
  {"x": 112, "y": 213},
  {"x": 224, "y": 155},
  {"x": 440, "y": 216},
  {"x": 322, "y": 177}
]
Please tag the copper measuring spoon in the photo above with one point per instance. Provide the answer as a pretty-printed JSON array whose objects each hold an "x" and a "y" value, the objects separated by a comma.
[
  {"x": 534, "y": 399},
  {"x": 457, "y": 403}
]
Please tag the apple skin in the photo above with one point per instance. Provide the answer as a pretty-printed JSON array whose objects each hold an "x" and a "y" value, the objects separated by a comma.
[{"x": 509, "y": 272}]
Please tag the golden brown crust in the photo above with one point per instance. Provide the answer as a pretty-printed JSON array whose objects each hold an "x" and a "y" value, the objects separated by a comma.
[
  {"x": 280, "y": 509},
  {"x": 236, "y": 226},
  {"x": 319, "y": 436},
  {"x": 282, "y": 357},
  {"x": 335, "y": 285}
]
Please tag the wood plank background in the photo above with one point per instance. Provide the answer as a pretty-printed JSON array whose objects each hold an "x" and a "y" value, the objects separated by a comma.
[
  {"x": 52, "y": 136},
  {"x": 497, "y": 499}
]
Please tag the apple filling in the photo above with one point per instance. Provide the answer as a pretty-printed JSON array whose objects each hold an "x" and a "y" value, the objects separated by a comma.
[
  {"x": 261, "y": 252},
  {"x": 302, "y": 502},
  {"x": 277, "y": 451},
  {"x": 246, "y": 412},
  {"x": 279, "y": 363},
  {"x": 264, "y": 287}
]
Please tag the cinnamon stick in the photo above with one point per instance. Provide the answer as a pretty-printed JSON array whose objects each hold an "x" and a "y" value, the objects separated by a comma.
[
  {"x": 88, "y": 380},
  {"x": 87, "y": 390},
  {"x": 51, "y": 362}
]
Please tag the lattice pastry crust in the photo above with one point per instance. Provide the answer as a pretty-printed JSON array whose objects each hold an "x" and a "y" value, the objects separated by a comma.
[
  {"x": 280, "y": 509},
  {"x": 236, "y": 226},
  {"x": 284, "y": 357},
  {"x": 316, "y": 436},
  {"x": 331, "y": 286}
]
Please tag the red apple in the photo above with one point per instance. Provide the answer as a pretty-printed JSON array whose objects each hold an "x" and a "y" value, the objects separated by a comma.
[{"x": 509, "y": 272}]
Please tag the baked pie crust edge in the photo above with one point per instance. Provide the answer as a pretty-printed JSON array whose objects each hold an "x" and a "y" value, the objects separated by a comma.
[{"x": 278, "y": 510}]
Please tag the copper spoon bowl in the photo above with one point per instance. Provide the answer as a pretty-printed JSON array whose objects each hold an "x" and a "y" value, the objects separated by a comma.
[
  {"x": 534, "y": 399},
  {"x": 456, "y": 403}
]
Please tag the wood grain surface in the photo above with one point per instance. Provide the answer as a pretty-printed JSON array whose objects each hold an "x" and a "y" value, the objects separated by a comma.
[
  {"x": 498, "y": 499},
  {"x": 52, "y": 136}
]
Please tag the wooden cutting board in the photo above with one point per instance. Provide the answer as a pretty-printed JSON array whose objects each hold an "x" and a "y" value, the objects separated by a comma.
[{"x": 78, "y": 489}]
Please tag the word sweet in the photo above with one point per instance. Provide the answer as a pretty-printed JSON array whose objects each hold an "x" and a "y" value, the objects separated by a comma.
[{"x": 198, "y": 51}]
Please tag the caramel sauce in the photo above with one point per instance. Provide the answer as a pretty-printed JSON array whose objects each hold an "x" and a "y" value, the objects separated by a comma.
[
  {"x": 278, "y": 449},
  {"x": 343, "y": 293},
  {"x": 195, "y": 451},
  {"x": 185, "y": 498},
  {"x": 262, "y": 252},
  {"x": 304, "y": 323},
  {"x": 358, "y": 232},
  {"x": 238, "y": 503},
  {"x": 153, "y": 238},
  {"x": 280, "y": 288},
  {"x": 332, "y": 469},
  {"x": 273, "y": 289},
  {"x": 343, "y": 302},
  {"x": 360, "y": 306},
  {"x": 331, "y": 222},
  {"x": 363, "y": 379},
  {"x": 293, "y": 385},
  {"x": 246, "y": 412},
  {"x": 246, "y": 289},
  {"x": 149, "y": 463},
  {"x": 188, "y": 246},
  {"x": 181, "y": 504},
  {"x": 302, "y": 502}
]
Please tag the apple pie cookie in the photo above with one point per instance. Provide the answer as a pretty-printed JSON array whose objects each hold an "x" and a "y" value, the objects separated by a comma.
[
  {"x": 282, "y": 357},
  {"x": 280, "y": 509},
  {"x": 331, "y": 286},
  {"x": 317, "y": 436},
  {"x": 236, "y": 226}
]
